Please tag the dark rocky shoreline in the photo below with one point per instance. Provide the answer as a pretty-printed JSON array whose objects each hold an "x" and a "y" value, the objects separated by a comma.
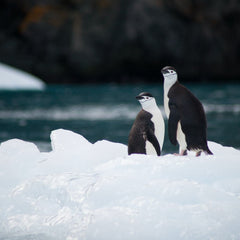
[{"x": 77, "y": 41}]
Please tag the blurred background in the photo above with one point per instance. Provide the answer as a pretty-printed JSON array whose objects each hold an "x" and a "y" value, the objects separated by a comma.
[
  {"x": 79, "y": 41},
  {"x": 95, "y": 56}
]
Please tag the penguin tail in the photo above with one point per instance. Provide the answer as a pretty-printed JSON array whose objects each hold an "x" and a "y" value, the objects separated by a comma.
[{"x": 208, "y": 152}]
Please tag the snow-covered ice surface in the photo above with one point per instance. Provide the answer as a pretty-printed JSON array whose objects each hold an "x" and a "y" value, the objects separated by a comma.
[
  {"x": 15, "y": 79},
  {"x": 91, "y": 191}
]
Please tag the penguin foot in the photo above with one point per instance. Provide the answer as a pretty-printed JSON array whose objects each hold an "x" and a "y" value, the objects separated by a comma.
[
  {"x": 198, "y": 153},
  {"x": 182, "y": 153}
]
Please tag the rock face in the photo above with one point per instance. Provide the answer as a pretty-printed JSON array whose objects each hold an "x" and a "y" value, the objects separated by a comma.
[{"x": 93, "y": 40}]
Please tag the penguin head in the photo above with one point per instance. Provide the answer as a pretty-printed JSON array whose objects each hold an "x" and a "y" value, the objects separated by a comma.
[
  {"x": 170, "y": 74},
  {"x": 146, "y": 99}
]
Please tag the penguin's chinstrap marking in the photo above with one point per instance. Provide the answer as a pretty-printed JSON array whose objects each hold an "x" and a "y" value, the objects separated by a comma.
[
  {"x": 147, "y": 133},
  {"x": 187, "y": 123}
]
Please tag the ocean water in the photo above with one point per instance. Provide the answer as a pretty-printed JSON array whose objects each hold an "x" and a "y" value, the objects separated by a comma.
[{"x": 108, "y": 111}]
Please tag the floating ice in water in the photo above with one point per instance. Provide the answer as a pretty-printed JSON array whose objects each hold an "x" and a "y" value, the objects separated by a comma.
[
  {"x": 91, "y": 191},
  {"x": 96, "y": 112},
  {"x": 222, "y": 108},
  {"x": 83, "y": 112},
  {"x": 14, "y": 79}
]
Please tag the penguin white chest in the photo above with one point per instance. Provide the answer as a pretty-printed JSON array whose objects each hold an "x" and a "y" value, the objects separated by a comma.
[
  {"x": 166, "y": 107},
  {"x": 159, "y": 132}
]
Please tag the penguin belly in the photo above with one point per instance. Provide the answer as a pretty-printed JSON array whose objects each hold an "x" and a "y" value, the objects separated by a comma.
[
  {"x": 159, "y": 132},
  {"x": 150, "y": 150},
  {"x": 166, "y": 107},
  {"x": 181, "y": 138}
]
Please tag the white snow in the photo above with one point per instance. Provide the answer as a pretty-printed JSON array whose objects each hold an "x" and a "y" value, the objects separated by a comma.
[
  {"x": 15, "y": 79},
  {"x": 91, "y": 191}
]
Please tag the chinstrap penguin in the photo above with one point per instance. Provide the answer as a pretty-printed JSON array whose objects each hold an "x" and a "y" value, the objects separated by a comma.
[
  {"x": 187, "y": 123},
  {"x": 147, "y": 133}
]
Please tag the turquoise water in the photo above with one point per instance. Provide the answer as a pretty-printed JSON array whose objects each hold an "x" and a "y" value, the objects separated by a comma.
[{"x": 107, "y": 112}]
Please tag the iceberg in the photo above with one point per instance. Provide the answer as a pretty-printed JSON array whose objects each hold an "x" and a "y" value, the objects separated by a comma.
[
  {"x": 15, "y": 79},
  {"x": 82, "y": 190}
]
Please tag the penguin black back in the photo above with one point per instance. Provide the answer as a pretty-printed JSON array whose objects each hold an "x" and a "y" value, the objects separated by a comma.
[
  {"x": 147, "y": 133},
  {"x": 187, "y": 123},
  {"x": 191, "y": 113},
  {"x": 138, "y": 134}
]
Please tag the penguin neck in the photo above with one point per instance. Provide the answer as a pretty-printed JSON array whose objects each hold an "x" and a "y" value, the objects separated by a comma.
[
  {"x": 150, "y": 106},
  {"x": 169, "y": 81}
]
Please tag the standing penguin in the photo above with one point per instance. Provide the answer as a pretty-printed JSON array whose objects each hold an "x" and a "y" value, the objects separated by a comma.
[
  {"x": 187, "y": 123},
  {"x": 147, "y": 133}
]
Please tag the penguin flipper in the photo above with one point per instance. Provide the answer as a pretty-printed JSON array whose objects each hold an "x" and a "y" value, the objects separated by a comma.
[
  {"x": 153, "y": 140},
  {"x": 173, "y": 120}
]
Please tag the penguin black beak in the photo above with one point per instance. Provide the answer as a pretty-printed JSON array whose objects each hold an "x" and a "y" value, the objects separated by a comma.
[
  {"x": 139, "y": 97},
  {"x": 164, "y": 71}
]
